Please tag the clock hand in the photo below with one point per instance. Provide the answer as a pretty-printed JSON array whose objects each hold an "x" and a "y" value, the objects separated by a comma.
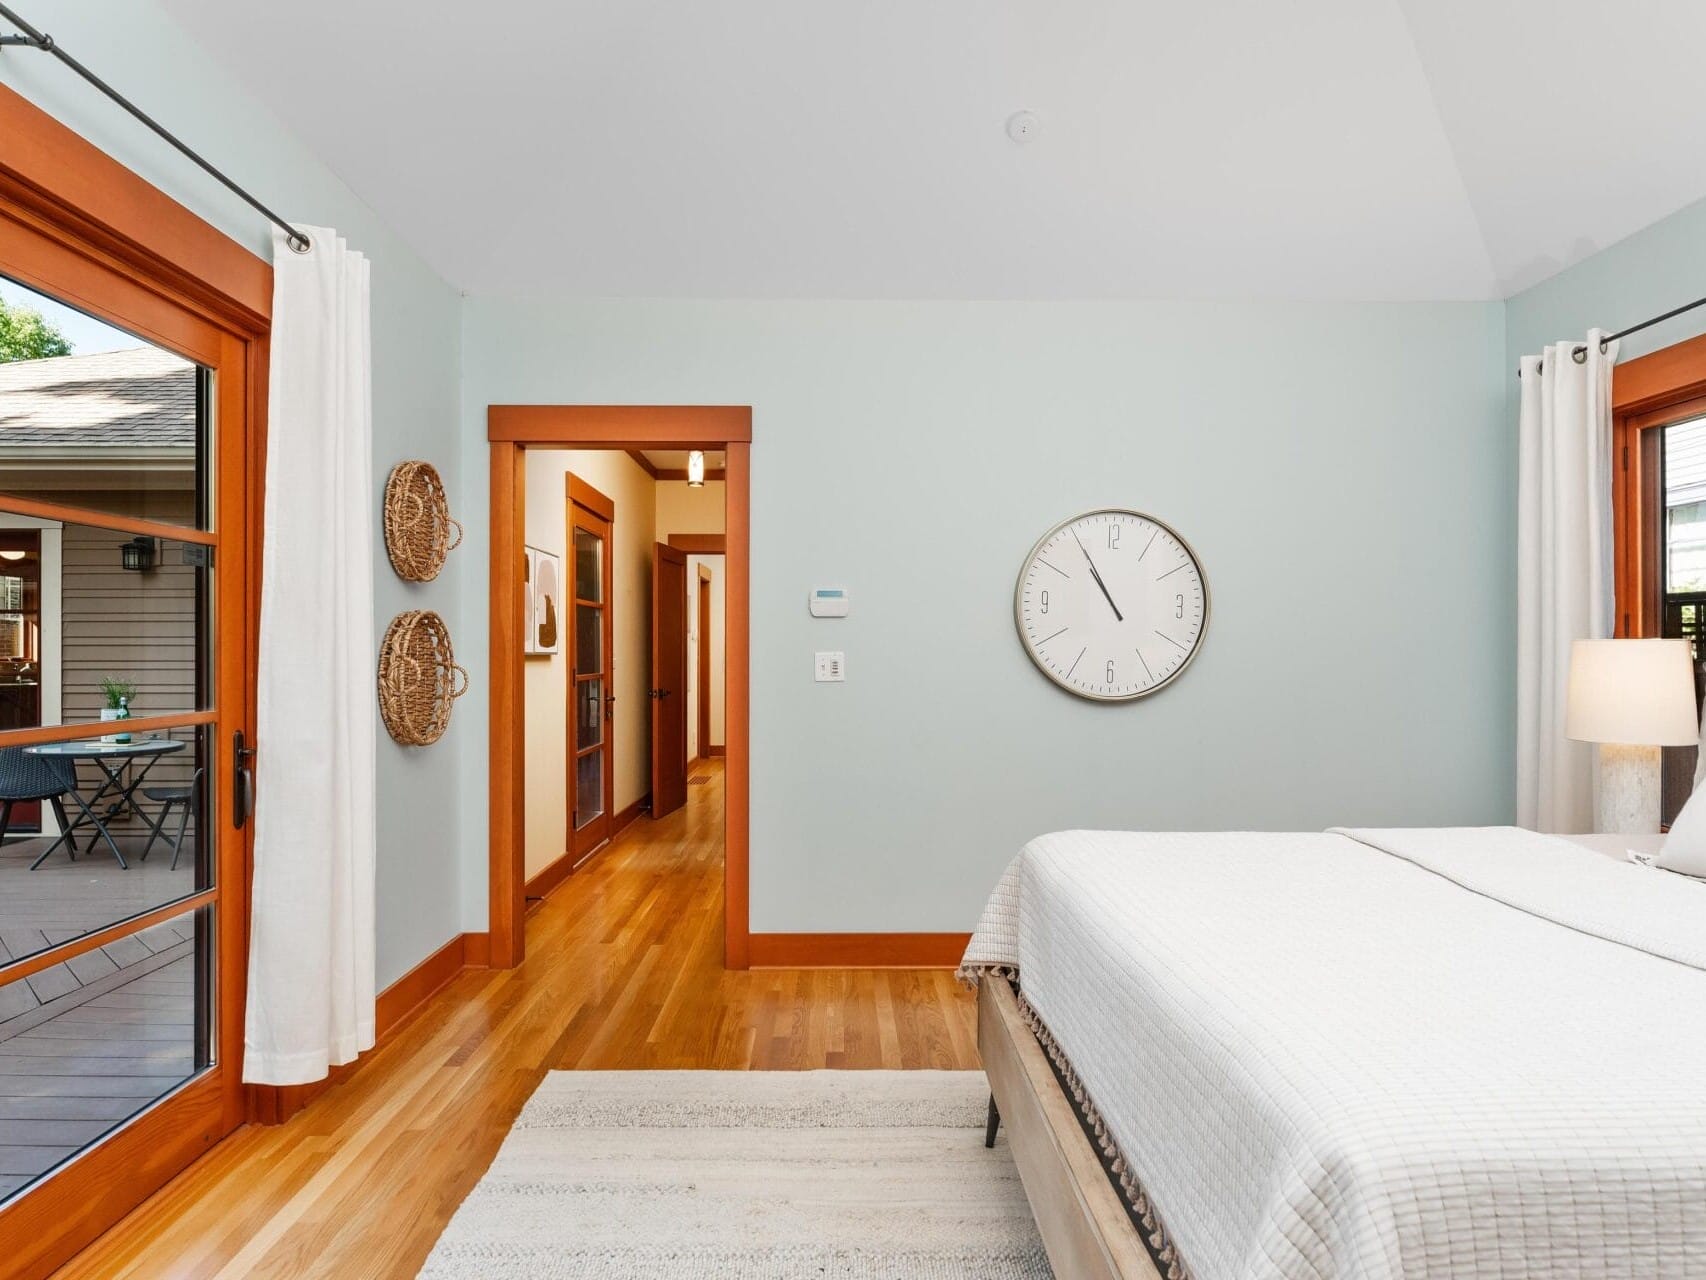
[{"x": 1098, "y": 577}]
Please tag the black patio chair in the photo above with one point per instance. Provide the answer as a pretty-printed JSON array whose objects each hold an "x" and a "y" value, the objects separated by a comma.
[
  {"x": 25, "y": 777},
  {"x": 169, "y": 798}
]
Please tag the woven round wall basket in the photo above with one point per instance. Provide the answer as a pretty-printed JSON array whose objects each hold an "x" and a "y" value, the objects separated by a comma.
[
  {"x": 418, "y": 678},
  {"x": 419, "y": 532}
]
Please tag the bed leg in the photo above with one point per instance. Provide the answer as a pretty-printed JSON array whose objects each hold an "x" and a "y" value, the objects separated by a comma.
[{"x": 993, "y": 1126}]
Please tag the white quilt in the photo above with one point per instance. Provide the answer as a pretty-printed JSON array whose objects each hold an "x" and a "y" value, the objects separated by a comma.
[{"x": 1473, "y": 1053}]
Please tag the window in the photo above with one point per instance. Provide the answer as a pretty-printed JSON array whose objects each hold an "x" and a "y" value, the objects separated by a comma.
[{"x": 1659, "y": 493}]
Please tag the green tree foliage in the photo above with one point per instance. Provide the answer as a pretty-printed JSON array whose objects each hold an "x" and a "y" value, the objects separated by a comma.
[{"x": 26, "y": 334}]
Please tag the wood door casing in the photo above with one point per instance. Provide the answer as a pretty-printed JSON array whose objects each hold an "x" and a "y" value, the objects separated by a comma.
[
  {"x": 590, "y": 512},
  {"x": 669, "y": 679},
  {"x": 510, "y": 431}
]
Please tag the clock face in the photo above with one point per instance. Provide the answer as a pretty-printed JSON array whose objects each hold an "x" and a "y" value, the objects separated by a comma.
[{"x": 1111, "y": 605}]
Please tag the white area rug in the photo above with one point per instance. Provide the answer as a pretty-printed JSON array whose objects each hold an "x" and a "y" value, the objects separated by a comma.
[{"x": 748, "y": 1175}]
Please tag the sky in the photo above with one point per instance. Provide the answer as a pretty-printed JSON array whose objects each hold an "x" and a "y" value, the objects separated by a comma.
[{"x": 85, "y": 334}]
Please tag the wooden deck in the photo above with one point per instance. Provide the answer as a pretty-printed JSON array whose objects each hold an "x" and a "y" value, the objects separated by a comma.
[
  {"x": 64, "y": 899},
  {"x": 67, "y": 1080},
  {"x": 85, "y": 1043}
]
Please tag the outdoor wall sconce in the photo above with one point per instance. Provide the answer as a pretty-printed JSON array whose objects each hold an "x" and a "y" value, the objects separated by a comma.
[{"x": 138, "y": 554}]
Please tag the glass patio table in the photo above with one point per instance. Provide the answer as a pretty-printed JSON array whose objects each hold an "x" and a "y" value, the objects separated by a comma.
[{"x": 112, "y": 759}]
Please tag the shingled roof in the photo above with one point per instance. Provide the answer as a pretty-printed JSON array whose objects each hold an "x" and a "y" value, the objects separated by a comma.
[{"x": 138, "y": 399}]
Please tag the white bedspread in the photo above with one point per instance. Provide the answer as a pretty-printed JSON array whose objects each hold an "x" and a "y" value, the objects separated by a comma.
[{"x": 1443, "y": 1053}]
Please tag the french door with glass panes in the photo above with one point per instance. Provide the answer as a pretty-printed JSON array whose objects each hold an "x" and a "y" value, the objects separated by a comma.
[
  {"x": 591, "y": 785},
  {"x": 124, "y": 487}
]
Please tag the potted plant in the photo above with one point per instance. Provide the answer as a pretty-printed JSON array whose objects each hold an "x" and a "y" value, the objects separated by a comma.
[{"x": 117, "y": 694}]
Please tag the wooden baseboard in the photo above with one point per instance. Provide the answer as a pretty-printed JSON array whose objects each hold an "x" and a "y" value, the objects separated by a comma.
[
  {"x": 549, "y": 877},
  {"x": 625, "y": 817},
  {"x": 274, "y": 1104},
  {"x": 541, "y": 884},
  {"x": 856, "y": 950}
]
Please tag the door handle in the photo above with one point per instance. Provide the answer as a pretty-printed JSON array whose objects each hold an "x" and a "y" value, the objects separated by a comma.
[
  {"x": 657, "y": 693},
  {"x": 242, "y": 781}
]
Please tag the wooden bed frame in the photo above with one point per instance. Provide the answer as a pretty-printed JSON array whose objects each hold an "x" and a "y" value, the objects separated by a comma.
[{"x": 1085, "y": 1227}]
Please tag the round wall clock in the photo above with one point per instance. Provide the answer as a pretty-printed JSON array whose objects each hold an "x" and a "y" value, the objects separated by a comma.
[{"x": 1111, "y": 605}]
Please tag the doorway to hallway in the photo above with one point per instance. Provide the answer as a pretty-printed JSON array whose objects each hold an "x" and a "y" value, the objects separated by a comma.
[{"x": 645, "y": 708}]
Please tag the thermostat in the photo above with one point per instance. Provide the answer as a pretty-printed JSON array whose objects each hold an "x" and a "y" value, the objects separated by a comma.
[{"x": 829, "y": 602}]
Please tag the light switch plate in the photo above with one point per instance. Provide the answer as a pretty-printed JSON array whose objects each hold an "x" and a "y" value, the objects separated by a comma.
[{"x": 831, "y": 666}]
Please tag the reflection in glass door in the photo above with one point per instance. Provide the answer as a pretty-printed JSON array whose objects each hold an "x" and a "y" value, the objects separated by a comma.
[
  {"x": 590, "y": 782},
  {"x": 123, "y": 625}
]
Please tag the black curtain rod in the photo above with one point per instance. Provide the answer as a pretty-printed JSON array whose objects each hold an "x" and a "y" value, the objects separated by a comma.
[
  {"x": 34, "y": 39},
  {"x": 1580, "y": 353}
]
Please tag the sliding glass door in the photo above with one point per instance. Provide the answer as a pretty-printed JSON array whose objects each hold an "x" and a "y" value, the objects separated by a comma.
[{"x": 124, "y": 693}]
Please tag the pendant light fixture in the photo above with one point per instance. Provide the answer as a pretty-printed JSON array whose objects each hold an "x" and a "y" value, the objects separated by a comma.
[{"x": 696, "y": 470}]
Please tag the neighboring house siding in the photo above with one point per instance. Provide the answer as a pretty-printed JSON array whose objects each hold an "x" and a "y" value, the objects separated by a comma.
[{"x": 134, "y": 626}]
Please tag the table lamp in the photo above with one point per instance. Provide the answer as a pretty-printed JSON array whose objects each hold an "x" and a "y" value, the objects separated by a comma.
[{"x": 1632, "y": 697}]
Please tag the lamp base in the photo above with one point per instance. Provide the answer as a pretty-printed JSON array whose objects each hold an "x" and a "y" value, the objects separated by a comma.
[{"x": 1628, "y": 800}]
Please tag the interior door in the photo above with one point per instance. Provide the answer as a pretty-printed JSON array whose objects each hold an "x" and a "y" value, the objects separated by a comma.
[
  {"x": 591, "y": 788},
  {"x": 122, "y": 967},
  {"x": 703, "y": 630},
  {"x": 669, "y": 679}
]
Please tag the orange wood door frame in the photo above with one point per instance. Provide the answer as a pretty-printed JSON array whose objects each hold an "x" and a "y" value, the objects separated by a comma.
[
  {"x": 77, "y": 225},
  {"x": 699, "y": 544},
  {"x": 510, "y": 429},
  {"x": 1646, "y": 394}
]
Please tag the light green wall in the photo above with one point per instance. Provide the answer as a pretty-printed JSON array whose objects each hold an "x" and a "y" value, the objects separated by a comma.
[
  {"x": 416, "y": 363},
  {"x": 1346, "y": 472},
  {"x": 1337, "y": 468}
]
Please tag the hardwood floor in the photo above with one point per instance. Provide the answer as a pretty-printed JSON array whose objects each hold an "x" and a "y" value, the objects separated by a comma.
[{"x": 624, "y": 970}]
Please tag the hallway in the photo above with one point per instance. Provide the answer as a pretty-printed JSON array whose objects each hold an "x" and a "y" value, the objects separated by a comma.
[{"x": 623, "y": 971}]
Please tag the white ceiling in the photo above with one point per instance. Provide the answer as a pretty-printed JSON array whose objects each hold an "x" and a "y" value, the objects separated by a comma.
[{"x": 1370, "y": 149}]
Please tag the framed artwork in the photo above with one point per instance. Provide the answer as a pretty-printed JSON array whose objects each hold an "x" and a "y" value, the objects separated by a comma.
[{"x": 542, "y": 600}]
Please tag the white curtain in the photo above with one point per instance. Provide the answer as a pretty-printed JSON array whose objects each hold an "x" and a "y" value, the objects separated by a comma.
[
  {"x": 311, "y": 967},
  {"x": 1565, "y": 588}
]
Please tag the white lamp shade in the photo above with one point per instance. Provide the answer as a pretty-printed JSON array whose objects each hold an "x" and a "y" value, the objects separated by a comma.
[{"x": 1638, "y": 692}]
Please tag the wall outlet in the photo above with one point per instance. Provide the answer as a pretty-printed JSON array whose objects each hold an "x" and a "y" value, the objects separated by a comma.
[{"x": 831, "y": 666}]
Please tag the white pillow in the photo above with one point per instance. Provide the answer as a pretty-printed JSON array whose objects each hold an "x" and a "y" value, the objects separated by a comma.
[{"x": 1685, "y": 846}]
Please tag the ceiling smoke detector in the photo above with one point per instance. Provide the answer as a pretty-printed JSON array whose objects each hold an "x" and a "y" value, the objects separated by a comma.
[{"x": 1022, "y": 126}]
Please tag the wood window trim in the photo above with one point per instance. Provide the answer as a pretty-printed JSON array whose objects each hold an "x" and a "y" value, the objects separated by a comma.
[
  {"x": 1648, "y": 393},
  {"x": 62, "y": 186},
  {"x": 510, "y": 429},
  {"x": 77, "y": 225}
]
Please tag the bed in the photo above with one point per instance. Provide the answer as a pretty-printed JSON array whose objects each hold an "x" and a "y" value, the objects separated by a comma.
[{"x": 1360, "y": 1053}]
